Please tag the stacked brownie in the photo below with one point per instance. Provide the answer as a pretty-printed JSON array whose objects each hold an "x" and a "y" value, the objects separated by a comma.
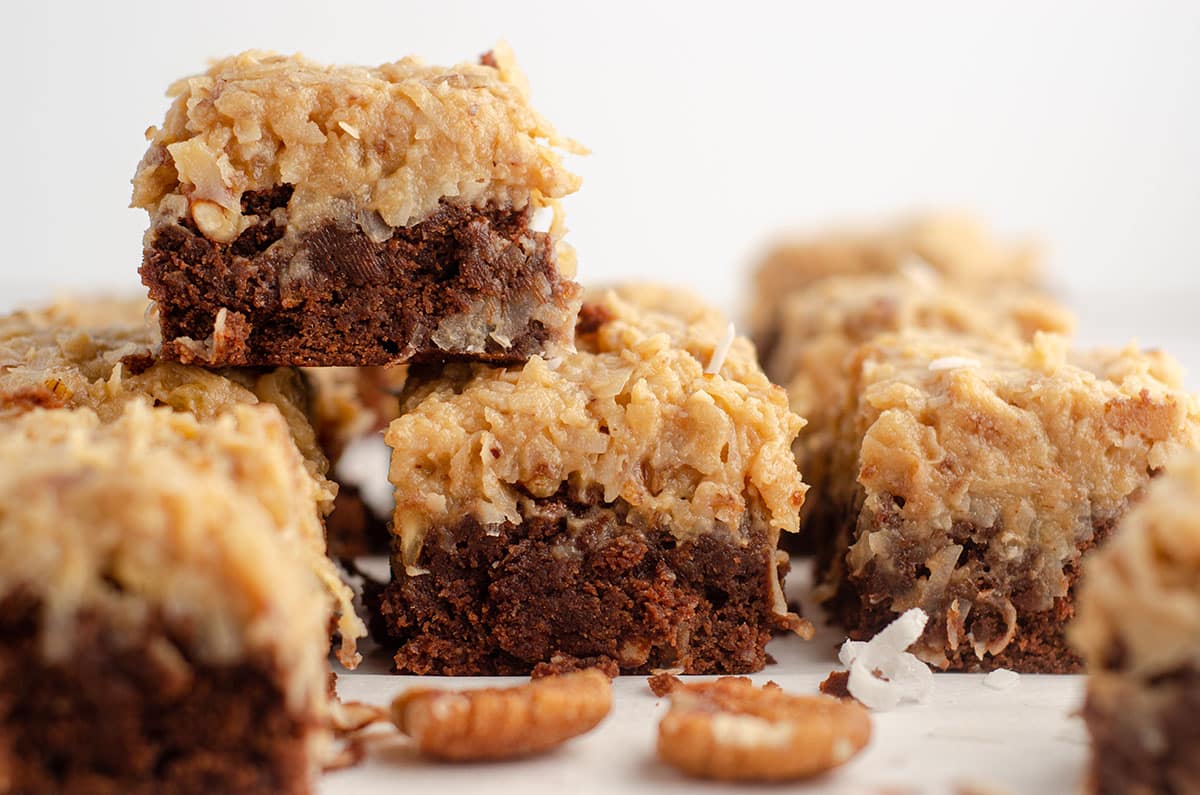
[
  {"x": 333, "y": 251},
  {"x": 964, "y": 456},
  {"x": 311, "y": 215},
  {"x": 344, "y": 220}
]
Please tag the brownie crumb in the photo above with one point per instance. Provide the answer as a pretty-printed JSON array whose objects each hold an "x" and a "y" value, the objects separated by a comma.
[
  {"x": 591, "y": 318},
  {"x": 561, "y": 664},
  {"x": 662, "y": 683},
  {"x": 837, "y": 684}
]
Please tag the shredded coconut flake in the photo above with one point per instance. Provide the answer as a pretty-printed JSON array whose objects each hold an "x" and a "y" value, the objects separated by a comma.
[
  {"x": 953, "y": 363},
  {"x": 350, "y": 129},
  {"x": 543, "y": 219},
  {"x": 882, "y": 672},
  {"x": 1002, "y": 679},
  {"x": 721, "y": 351}
]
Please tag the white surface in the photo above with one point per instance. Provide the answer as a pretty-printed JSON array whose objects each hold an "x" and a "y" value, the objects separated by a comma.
[
  {"x": 1078, "y": 121},
  {"x": 1023, "y": 741}
]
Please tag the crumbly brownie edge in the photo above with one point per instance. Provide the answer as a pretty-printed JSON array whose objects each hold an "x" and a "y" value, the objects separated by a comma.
[
  {"x": 580, "y": 582},
  {"x": 1145, "y": 737},
  {"x": 136, "y": 718},
  {"x": 336, "y": 297},
  {"x": 1038, "y": 646}
]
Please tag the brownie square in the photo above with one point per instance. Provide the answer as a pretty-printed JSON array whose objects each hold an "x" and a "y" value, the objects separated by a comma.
[
  {"x": 98, "y": 356},
  {"x": 958, "y": 249},
  {"x": 969, "y": 477},
  {"x": 620, "y": 505},
  {"x": 822, "y": 325},
  {"x": 311, "y": 215},
  {"x": 164, "y": 627}
]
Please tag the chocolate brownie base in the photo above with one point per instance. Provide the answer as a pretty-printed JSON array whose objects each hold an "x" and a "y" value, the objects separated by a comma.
[
  {"x": 862, "y": 605},
  {"x": 336, "y": 297},
  {"x": 1145, "y": 736},
  {"x": 580, "y": 582},
  {"x": 352, "y": 529},
  {"x": 137, "y": 719}
]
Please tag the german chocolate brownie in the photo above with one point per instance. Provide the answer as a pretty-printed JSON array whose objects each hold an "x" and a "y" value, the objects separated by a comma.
[
  {"x": 821, "y": 326},
  {"x": 1138, "y": 631},
  {"x": 97, "y": 356},
  {"x": 163, "y": 628},
  {"x": 955, "y": 248},
  {"x": 619, "y": 505},
  {"x": 311, "y": 215},
  {"x": 970, "y": 476}
]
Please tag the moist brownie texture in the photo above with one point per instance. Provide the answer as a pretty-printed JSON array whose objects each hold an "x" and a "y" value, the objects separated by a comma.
[
  {"x": 348, "y": 405},
  {"x": 821, "y": 326},
  {"x": 1138, "y": 631},
  {"x": 956, "y": 247},
  {"x": 617, "y": 504},
  {"x": 49, "y": 360},
  {"x": 311, "y": 215},
  {"x": 163, "y": 628},
  {"x": 968, "y": 477}
]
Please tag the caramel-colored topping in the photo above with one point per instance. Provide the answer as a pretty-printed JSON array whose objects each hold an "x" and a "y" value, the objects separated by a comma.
[
  {"x": 376, "y": 146},
  {"x": 994, "y": 469},
  {"x": 822, "y": 325},
  {"x": 630, "y": 416},
  {"x": 48, "y": 362},
  {"x": 155, "y": 513}
]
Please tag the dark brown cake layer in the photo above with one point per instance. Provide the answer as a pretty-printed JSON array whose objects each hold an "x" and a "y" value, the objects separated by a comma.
[
  {"x": 576, "y": 583},
  {"x": 335, "y": 297},
  {"x": 128, "y": 719},
  {"x": 862, "y": 604},
  {"x": 1145, "y": 735},
  {"x": 353, "y": 529}
]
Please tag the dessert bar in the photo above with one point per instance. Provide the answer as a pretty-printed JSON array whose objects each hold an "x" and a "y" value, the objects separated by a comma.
[
  {"x": 97, "y": 357},
  {"x": 164, "y": 629},
  {"x": 620, "y": 505},
  {"x": 303, "y": 214},
  {"x": 957, "y": 248},
  {"x": 968, "y": 477},
  {"x": 821, "y": 326}
]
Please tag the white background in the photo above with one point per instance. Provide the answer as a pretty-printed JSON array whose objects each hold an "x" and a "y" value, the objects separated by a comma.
[{"x": 1075, "y": 121}]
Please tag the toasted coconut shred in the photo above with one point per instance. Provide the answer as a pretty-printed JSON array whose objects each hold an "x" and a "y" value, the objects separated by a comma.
[{"x": 882, "y": 672}]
